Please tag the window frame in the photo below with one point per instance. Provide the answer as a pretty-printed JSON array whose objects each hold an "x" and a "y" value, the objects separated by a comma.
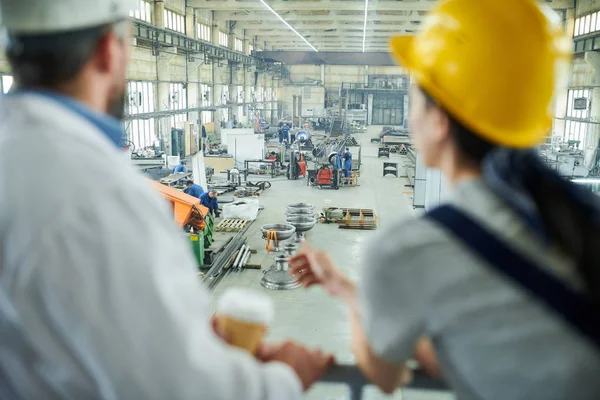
[
  {"x": 223, "y": 38},
  {"x": 174, "y": 21}
]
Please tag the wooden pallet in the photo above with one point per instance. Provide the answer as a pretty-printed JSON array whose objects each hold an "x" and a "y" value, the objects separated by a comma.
[
  {"x": 351, "y": 180},
  {"x": 231, "y": 225},
  {"x": 358, "y": 218}
]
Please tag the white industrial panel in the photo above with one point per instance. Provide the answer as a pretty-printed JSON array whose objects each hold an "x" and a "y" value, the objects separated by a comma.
[
  {"x": 437, "y": 189},
  {"x": 245, "y": 147},
  {"x": 420, "y": 184},
  {"x": 226, "y": 132}
]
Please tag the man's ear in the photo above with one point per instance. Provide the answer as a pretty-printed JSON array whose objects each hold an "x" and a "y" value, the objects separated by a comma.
[{"x": 103, "y": 57}]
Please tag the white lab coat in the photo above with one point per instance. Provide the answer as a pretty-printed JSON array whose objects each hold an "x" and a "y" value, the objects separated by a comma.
[{"x": 99, "y": 297}]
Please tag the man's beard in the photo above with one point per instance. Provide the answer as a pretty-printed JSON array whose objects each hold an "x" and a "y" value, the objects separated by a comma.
[{"x": 116, "y": 105}]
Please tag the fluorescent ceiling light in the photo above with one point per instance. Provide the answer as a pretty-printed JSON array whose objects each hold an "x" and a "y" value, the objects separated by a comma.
[
  {"x": 288, "y": 25},
  {"x": 365, "y": 27},
  {"x": 586, "y": 180}
]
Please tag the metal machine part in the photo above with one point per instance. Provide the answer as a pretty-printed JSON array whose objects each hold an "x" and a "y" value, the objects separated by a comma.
[
  {"x": 300, "y": 208},
  {"x": 303, "y": 224},
  {"x": 281, "y": 232},
  {"x": 300, "y": 205},
  {"x": 299, "y": 213},
  {"x": 302, "y": 136},
  {"x": 290, "y": 249},
  {"x": 284, "y": 231},
  {"x": 278, "y": 277}
]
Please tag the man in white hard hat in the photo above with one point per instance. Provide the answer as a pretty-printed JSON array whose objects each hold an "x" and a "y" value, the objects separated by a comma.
[{"x": 98, "y": 294}]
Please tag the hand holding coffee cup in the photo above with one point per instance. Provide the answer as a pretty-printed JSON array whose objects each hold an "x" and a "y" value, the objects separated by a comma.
[{"x": 243, "y": 316}]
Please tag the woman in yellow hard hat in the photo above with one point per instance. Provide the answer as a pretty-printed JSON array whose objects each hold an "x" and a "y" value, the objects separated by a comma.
[{"x": 498, "y": 290}]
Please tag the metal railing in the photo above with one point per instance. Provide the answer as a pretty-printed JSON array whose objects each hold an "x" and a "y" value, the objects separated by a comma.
[{"x": 350, "y": 376}]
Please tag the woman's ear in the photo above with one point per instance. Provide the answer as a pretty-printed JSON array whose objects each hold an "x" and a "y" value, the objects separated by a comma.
[{"x": 442, "y": 125}]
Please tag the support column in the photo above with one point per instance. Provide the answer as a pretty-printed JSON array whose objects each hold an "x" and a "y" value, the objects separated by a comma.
[
  {"x": 190, "y": 23},
  {"x": 193, "y": 89},
  {"x": 163, "y": 68},
  {"x": 159, "y": 12}
]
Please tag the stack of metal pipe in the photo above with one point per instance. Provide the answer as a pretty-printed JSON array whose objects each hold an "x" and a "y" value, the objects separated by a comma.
[{"x": 234, "y": 255}]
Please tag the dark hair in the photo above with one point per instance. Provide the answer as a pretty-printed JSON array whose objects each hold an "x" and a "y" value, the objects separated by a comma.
[
  {"x": 471, "y": 146},
  {"x": 566, "y": 211},
  {"x": 48, "y": 60},
  {"x": 189, "y": 182}
]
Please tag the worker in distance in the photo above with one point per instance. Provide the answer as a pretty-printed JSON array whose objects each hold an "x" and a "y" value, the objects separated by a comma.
[
  {"x": 497, "y": 291},
  {"x": 194, "y": 189},
  {"x": 99, "y": 296},
  {"x": 210, "y": 201}
]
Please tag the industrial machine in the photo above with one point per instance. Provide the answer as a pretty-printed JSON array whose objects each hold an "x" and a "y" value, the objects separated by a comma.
[
  {"x": 327, "y": 176},
  {"x": 193, "y": 218},
  {"x": 297, "y": 165},
  {"x": 178, "y": 143},
  {"x": 303, "y": 140}
]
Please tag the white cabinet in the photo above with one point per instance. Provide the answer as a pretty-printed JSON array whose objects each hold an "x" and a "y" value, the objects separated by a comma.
[{"x": 431, "y": 188}]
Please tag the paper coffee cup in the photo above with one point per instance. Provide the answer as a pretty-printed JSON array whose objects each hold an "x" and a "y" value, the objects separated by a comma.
[{"x": 244, "y": 315}]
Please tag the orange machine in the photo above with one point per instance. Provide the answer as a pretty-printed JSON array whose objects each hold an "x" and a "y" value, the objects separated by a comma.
[
  {"x": 187, "y": 210},
  {"x": 297, "y": 166}
]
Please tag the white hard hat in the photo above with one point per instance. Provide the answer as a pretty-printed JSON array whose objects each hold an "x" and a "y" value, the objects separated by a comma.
[{"x": 54, "y": 16}]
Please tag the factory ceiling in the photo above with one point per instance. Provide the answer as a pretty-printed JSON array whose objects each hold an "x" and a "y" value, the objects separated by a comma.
[{"x": 328, "y": 25}]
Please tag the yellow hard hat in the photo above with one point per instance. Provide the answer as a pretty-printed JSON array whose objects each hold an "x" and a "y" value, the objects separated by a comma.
[{"x": 493, "y": 65}]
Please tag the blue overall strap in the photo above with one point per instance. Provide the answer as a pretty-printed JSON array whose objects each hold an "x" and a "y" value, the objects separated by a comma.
[{"x": 581, "y": 312}]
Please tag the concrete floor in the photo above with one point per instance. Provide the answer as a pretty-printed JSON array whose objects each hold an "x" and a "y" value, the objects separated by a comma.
[{"x": 311, "y": 316}]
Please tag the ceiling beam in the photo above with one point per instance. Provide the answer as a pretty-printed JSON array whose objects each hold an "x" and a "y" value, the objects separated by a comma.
[
  {"x": 326, "y": 29},
  {"x": 329, "y": 57},
  {"x": 340, "y": 48},
  {"x": 322, "y": 40},
  {"x": 279, "y": 5},
  {"x": 323, "y": 34},
  {"x": 289, "y": 17},
  {"x": 383, "y": 43}
]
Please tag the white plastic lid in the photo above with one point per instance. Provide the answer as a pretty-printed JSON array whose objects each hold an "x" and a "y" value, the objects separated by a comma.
[{"x": 246, "y": 305}]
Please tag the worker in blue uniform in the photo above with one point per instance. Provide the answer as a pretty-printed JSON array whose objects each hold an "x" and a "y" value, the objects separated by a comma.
[
  {"x": 209, "y": 200},
  {"x": 285, "y": 132},
  {"x": 180, "y": 168},
  {"x": 347, "y": 163},
  {"x": 194, "y": 190}
]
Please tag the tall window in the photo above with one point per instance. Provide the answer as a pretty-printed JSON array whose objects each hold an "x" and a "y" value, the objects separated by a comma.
[
  {"x": 177, "y": 101},
  {"x": 205, "y": 95},
  {"x": 174, "y": 21},
  {"x": 6, "y": 83},
  {"x": 250, "y": 49},
  {"x": 141, "y": 132},
  {"x": 141, "y": 97},
  {"x": 140, "y": 100},
  {"x": 587, "y": 24},
  {"x": 143, "y": 11},
  {"x": 206, "y": 101},
  {"x": 578, "y": 111},
  {"x": 260, "y": 94},
  {"x": 207, "y": 116},
  {"x": 223, "y": 39},
  {"x": 204, "y": 32},
  {"x": 239, "y": 45},
  {"x": 240, "y": 100}
]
